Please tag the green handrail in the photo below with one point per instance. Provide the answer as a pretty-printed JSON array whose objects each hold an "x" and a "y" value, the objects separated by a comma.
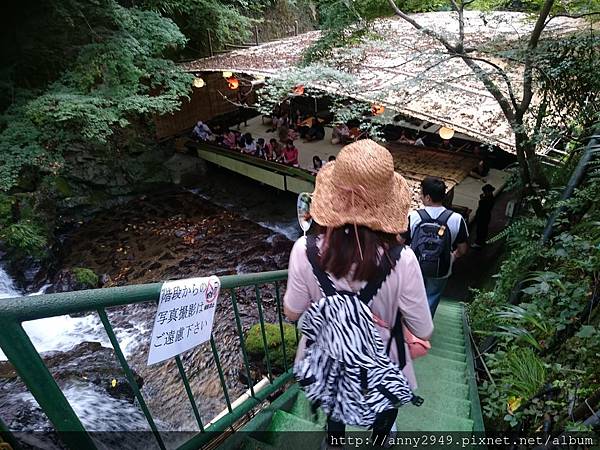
[{"x": 29, "y": 365}]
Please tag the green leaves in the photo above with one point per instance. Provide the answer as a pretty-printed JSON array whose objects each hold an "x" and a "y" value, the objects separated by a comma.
[{"x": 120, "y": 75}]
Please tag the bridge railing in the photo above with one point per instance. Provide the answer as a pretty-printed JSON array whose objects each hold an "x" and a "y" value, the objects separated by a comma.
[{"x": 19, "y": 349}]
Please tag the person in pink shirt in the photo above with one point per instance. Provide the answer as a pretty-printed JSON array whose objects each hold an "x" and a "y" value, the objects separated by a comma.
[
  {"x": 290, "y": 154},
  {"x": 360, "y": 205}
]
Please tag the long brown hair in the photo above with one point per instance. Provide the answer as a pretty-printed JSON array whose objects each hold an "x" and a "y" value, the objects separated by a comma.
[{"x": 340, "y": 251}]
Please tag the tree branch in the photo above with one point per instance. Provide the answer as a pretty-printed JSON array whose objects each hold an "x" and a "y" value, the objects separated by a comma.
[
  {"x": 505, "y": 103},
  {"x": 534, "y": 39}
]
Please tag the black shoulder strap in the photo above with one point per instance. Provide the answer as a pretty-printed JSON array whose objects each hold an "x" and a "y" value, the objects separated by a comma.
[
  {"x": 424, "y": 215},
  {"x": 444, "y": 217},
  {"x": 368, "y": 292},
  {"x": 312, "y": 252}
]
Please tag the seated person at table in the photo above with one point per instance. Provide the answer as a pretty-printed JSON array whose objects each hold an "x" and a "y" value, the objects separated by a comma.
[
  {"x": 340, "y": 134},
  {"x": 316, "y": 132},
  {"x": 290, "y": 154},
  {"x": 317, "y": 164},
  {"x": 261, "y": 151},
  {"x": 230, "y": 139},
  {"x": 247, "y": 144},
  {"x": 447, "y": 145},
  {"x": 480, "y": 171},
  {"x": 403, "y": 139},
  {"x": 201, "y": 131},
  {"x": 273, "y": 150}
]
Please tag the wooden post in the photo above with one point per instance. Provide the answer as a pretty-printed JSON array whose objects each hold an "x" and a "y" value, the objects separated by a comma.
[
  {"x": 295, "y": 28},
  {"x": 256, "y": 34},
  {"x": 210, "y": 47}
]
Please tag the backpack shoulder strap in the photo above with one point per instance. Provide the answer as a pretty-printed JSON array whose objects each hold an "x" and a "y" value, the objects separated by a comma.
[
  {"x": 312, "y": 252},
  {"x": 444, "y": 217},
  {"x": 368, "y": 292},
  {"x": 424, "y": 215}
]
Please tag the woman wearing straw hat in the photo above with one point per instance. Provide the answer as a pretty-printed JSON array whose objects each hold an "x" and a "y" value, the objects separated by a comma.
[{"x": 361, "y": 205}]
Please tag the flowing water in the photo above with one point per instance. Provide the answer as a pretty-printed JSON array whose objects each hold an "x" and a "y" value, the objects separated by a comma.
[
  {"x": 62, "y": 333},
  {"x": 224, "y": 227}
]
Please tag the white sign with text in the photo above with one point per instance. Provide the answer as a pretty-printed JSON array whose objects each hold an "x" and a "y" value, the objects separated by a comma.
[{"x": 184, "y": 318}]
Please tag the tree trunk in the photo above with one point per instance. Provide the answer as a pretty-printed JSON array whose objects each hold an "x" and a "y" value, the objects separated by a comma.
[{"x": 525, "y": 169}]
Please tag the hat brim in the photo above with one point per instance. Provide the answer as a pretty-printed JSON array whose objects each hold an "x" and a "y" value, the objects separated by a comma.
[{"x": 332, "y": 206}]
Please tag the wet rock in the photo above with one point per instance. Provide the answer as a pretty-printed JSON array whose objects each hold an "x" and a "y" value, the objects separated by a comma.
[
  {"x": 88, "y": 362},
  {"x": 68, "y": 280}
]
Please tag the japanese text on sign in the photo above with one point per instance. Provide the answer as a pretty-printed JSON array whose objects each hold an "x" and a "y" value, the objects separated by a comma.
[{"x": 184, "y": 318}]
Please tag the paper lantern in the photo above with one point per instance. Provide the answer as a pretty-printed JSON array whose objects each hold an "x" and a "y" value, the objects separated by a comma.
[
  {"x": 227, "y": 74},
  {"x": 299, "y": 89},
  {"x": 233, "y": 83},
  {"x": 198, "y": 82},
  {"x": 377, "y": 109},
  {"x": 446, "y": 133}
]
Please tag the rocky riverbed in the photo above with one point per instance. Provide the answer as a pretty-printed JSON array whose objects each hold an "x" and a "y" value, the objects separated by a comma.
[{"x": 168, "y": 236}]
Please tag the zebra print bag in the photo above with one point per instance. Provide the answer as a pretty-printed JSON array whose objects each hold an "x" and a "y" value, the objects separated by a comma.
[{"x": 346, "y": 369}]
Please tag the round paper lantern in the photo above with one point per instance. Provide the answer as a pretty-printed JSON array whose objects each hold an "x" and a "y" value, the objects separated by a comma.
[
  {"x": 233, "y": 83},
  {"x": 377, "y": 109},
  {"x": 198, "y": 82},
  {"x": 446, "y": 133},
  {"x": 227, "y": 74}
]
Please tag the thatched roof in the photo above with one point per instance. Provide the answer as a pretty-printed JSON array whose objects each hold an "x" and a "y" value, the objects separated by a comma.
[{"x": 413, "y": 70}]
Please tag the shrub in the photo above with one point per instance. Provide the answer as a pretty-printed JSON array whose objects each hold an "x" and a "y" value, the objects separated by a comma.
[
  {"x": 25, "y": 238},
  {"x": 85, "y": 277},
  {"x": 255, "y": 347}
]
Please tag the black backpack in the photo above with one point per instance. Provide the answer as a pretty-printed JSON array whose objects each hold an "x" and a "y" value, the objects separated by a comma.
[{"x": 432, "y": 244}]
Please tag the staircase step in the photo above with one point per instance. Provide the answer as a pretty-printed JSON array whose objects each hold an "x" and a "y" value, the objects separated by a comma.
[
  {"x": 452, "y": 406},
  {"x": 302, "y": 409},
  {"x": 449, "y": 354},
  {"x": 433, "y": 385},
  {"x": 254, "y": 444},
  {"x": 412, "y": 418},
  {"x": 445, "y": 345},
  {"x": 432, "y": 377},
  {"x": 283, "y": 421},
  {"x": 440, "y": 365}
]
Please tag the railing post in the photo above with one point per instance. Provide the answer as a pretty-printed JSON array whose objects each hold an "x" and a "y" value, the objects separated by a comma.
[
  {"x": 256, "y": 34},
  {"x": 17, "y": 346},
  {"x": 295, "y": 28}
]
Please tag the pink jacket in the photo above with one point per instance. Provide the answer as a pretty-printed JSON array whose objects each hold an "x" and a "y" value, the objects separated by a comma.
[{"x": 403, "y": 289}]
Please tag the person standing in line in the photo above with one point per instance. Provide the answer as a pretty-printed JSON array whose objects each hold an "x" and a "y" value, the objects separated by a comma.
[
  {"x": 438, "y": 237},
  {"x": 360, "y": 204},
  {"x": 483, "y": 215}
]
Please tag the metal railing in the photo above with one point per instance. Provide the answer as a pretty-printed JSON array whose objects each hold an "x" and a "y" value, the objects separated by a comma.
[{"x": 20, "y": 351}]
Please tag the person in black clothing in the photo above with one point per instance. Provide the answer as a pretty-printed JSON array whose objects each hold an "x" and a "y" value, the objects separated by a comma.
[
  {"x": 483, "y": 215},
  {"x": 316, "y": 132},
  {"x": 481, "y": 170}
]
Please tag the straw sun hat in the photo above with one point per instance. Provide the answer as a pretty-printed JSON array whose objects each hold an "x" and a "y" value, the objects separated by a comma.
[{"x": 361, "y": 187}]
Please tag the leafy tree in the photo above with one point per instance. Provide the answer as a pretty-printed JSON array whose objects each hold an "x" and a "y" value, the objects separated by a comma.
[
  {"x": 515, "y": 104},
  {"x": 114, "y": 74}
]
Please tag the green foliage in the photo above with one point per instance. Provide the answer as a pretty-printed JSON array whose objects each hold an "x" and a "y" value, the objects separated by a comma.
[
  {"x": 226, "y": 21},
  {"x": 25, "y": 238},
  {"x": 525, "y": 373},
  {"x": 551, "y": 337},
  {"x": 85, "y": 277},
  {"x": 118, "y": 75},
  {"x": 344, "y": 23},
  {"x": 255, "y": 347},
  {"x": 342, "y": 105}
]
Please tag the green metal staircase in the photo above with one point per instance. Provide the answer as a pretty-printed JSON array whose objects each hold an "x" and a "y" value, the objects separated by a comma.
[{"x": 446, "y": 382}]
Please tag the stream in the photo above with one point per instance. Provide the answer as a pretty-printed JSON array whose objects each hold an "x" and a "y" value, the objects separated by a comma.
[{"x": 226, "y": 225}]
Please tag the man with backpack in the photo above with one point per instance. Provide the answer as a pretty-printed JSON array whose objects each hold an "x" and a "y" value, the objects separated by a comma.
[{"x": 438, "y": 236}]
